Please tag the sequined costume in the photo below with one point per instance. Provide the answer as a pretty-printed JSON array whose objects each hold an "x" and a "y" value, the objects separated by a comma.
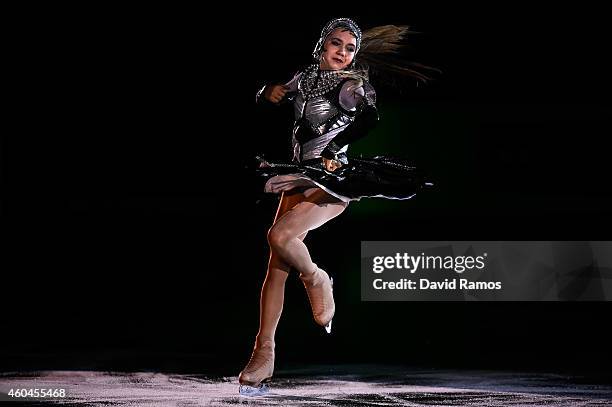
[{"x": 333, "y": 109}]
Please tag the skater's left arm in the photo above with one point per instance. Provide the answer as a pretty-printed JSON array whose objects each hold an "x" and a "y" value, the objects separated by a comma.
[{"x": 363, "y": 99}]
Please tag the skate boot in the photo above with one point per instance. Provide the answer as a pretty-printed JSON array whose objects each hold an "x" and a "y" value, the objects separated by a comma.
[
  {"x": 258, "y": 371},
  {"x": 320, "y": 294}
]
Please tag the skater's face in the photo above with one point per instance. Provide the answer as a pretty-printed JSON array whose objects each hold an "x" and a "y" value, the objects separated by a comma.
[{"x": 338, "y": 50}]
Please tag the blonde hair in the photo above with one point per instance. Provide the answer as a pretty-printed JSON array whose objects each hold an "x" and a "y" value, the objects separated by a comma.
[{"x": 380, "y": 49}]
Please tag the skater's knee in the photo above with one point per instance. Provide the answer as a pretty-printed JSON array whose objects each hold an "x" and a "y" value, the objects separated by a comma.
[{"x": 278, "y": 237}]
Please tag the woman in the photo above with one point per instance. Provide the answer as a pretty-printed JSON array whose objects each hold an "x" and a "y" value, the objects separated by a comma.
[{"x": 334, "y": 106}]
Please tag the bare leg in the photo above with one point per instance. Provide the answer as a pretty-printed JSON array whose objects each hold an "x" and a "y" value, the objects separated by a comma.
[
  {"x": 273, "y": 295},
  {"x": 261, "y": 364},
  {"x": 308, "y": 211},
  {"x": 273, "y": 290}
]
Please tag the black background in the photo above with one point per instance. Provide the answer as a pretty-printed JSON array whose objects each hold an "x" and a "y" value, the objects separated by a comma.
[{"x": 131, "y": 225}]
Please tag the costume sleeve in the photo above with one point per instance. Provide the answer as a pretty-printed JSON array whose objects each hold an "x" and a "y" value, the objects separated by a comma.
[
  {"x": 351, "y": 95},
  {"x": 364, "y": 101},
  {"x": 292, "y": 85}
]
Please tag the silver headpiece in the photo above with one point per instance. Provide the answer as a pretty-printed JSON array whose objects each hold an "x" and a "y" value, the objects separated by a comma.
[{"x": 331, "y": 26}]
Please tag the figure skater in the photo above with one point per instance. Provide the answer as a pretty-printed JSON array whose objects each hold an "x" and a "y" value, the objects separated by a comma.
[{"x": 334, "y": 106}]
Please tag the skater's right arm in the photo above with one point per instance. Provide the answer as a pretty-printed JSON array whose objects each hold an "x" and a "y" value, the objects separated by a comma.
[{"x": 275, "y": 93}]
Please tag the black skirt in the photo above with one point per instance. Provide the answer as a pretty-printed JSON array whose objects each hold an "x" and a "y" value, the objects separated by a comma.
[{"x": 375, "y": 177}]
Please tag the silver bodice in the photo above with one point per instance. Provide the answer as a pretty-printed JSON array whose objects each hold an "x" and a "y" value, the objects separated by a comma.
[
  {"x": 325, "y": 103},
  {"x": 325, "y": 120},
  {"x": 322, "y": 115}
]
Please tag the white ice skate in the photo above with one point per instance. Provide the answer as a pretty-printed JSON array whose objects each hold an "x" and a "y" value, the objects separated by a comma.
[
  {"x": 258, "y": 371},
  {"x": 319, "y": 287}
]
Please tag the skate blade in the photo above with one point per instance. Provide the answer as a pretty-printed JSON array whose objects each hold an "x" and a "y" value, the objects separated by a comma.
[
  {"x": 250, "y": 391},
  {"x": 328, "y": 327}
]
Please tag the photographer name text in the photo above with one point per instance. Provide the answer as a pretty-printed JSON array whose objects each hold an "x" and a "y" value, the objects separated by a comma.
[{"x": 403, "y": 262}]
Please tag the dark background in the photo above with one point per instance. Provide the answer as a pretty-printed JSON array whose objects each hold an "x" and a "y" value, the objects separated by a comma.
[{"x": 135, "y": 238}]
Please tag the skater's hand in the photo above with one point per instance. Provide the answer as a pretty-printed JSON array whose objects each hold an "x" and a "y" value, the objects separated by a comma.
[
  {"x": 331, "y": 165},
  {"x": 275, "y": 93}
]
